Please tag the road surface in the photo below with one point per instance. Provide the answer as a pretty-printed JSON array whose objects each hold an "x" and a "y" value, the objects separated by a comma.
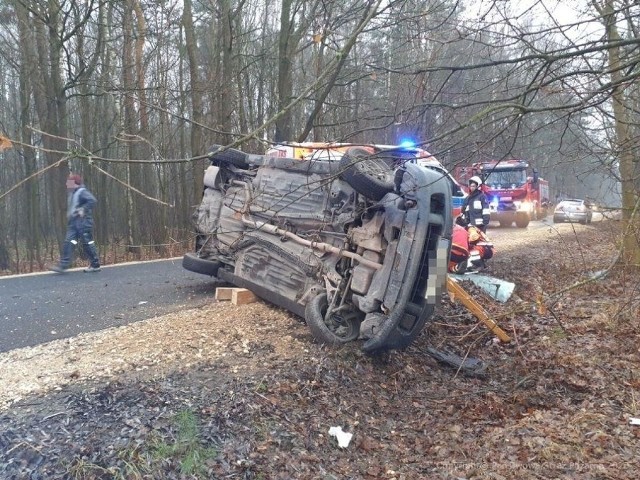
[{"x": 38, "y": 308}]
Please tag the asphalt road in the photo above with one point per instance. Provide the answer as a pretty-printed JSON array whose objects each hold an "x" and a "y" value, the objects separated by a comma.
[{"x": 38, "y": 308}]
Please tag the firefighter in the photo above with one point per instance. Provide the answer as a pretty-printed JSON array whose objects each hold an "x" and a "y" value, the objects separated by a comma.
[
  {"x": 475, "y": 208},
  {"x": 79, "y": 225}
]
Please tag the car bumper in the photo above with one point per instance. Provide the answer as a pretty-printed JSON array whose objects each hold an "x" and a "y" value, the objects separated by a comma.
[{"x": 570, "y": 217}]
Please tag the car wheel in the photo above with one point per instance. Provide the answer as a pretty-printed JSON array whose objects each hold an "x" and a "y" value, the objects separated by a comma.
[
  {"x": 339, "y": 328},
  {"x": 193, "y": 263},
  {"x": 229, "y": 156},
  {"x": 368, "y": 174}
]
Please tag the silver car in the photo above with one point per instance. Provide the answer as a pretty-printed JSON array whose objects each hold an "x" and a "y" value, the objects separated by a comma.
[
  {"x": 573, "y": 210},
  {"x": 354, "y": 241}
]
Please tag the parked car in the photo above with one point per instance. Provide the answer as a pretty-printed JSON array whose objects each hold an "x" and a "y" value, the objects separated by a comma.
[
  {"x": 353, "y": 238},
  {"x": 573, "y": 210}
]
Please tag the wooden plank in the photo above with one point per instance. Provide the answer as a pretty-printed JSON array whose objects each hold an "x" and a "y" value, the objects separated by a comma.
[
  {"x": 242, "y": 296},
  {"x": 459, "y": 293},
  {"x": 223, "y": 293}
]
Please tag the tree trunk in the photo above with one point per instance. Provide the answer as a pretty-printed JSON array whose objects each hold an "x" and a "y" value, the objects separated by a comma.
[
  {"x": 50, "y": 101},
  {"x": 30, "y": 163},
  {"x": 130, "y": 127},
  {"x": 227, "y": 94},
  {"x": 196, "y": 98},
  {"x": 630, "y": 217},
  {"x": 287, "y": 43}
]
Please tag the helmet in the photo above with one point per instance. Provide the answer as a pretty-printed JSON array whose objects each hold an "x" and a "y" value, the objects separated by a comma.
[{"x": 475, "y": 180}]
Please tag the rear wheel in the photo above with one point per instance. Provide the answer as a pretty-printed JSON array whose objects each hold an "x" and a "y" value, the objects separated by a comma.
[
  {"x": 334, "y": 328},
  {"x": 368, "y": 174},
  {"x": 193, "y": 263}
]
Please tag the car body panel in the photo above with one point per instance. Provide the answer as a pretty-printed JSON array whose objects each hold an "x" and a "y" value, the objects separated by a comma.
[{"x": 335, "y": 151}]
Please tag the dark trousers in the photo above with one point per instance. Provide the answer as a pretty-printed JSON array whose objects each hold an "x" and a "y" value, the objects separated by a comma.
[{"x": 79, "y": 229}]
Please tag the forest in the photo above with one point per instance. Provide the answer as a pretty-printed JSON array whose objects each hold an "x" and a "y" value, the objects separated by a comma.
[{"x": 131, "y": 94}]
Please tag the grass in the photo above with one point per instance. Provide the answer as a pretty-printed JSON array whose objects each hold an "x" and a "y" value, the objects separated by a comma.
[
  {"x": 186, "y": 449},
  {"x": 134, "y": 464},
  {"x": 557, "y": 334}
]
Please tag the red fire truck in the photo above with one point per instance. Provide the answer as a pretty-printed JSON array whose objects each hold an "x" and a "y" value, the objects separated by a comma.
[{"x": 515, "y": 191}]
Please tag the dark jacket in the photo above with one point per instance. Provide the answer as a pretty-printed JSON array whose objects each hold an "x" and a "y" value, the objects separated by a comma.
[
  {"x": 80, "y": 204},
  {"x": 475, "y": 209}
]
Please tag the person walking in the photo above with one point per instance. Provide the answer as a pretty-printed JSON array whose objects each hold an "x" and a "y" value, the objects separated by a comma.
[
  {"x": 475, "y": 208},
  {"x": 80, "y": 203}
]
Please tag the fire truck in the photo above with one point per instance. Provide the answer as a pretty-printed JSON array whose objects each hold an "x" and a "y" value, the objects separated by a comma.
[{"x": 515, "y": 192}]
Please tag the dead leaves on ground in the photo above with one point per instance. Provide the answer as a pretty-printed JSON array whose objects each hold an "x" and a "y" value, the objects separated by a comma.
[{"x": 554, "y": 403}]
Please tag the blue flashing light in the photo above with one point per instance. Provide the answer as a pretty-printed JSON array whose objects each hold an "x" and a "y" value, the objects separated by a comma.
[{"x": 407, "y": 143}]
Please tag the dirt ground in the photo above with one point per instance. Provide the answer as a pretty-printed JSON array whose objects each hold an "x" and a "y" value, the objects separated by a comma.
[{"x": 243, "y": 391}]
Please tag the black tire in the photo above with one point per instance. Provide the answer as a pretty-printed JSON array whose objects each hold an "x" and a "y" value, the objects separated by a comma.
[
  {"x": 522, "y": 221},
  {"x": 229, "y": 156},
  {"x": 368, "y": 174},
  {"x": 195, "y": 264},
  {"x": 338, "y": 331}
]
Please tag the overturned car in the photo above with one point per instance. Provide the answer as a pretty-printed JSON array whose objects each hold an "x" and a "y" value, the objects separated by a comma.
[{"x": 353, "y": 238}]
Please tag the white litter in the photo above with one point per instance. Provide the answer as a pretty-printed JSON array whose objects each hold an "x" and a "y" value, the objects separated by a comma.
[
  {"x": 343, "y": 437},
  {"x": 142, "y": 302},
  {"x": 634, "y": 421}
]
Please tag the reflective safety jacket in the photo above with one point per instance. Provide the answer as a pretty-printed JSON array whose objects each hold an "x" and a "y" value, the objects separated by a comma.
[{"x": 476, "y": 210}]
